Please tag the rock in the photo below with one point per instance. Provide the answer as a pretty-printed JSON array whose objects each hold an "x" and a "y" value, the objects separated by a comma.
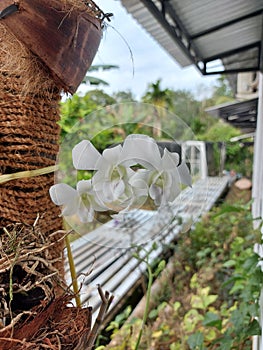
[{"x": 243, "y": 184}]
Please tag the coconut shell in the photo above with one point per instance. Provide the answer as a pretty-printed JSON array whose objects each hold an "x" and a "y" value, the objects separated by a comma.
[{"x": 65, "y": 40}]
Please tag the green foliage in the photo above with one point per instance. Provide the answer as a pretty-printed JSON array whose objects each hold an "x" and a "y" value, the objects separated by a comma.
[
  {"x": 222, "y": 92},
  {"x": 123, "y": 96},
  {"x": 191, "y": 111},
  {"x": 220, "y": 132},
  {"x": 195, "y": 341},
  {"x": 88, "y": 79},
  {"x": 119, "y": 320},
  {"x": 238, "y": 157},
  {"x": 74, "y": 109},
  {"x": 221, "y": 249},
  {"x": 167, "y": 104},
  {"x": 216, "y": 287},
  {"x": 157, "y": 96}
]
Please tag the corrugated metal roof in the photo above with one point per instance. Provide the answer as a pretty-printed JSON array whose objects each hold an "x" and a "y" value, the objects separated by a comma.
[
  {"x": 203, "y": 31},
  {"x": 155, "y": 29},
  {"x": 242, "y": 114}
]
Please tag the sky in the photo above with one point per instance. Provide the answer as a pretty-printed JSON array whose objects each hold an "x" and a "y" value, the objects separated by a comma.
[{"x": 141, "y": 60}]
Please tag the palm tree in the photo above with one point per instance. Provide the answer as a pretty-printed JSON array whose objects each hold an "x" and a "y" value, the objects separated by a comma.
[
  {"x": 161, "y": 99},
  {"x": 95, "y": 68}
]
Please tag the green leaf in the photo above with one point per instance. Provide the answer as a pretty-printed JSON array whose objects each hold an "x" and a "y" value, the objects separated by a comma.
[
  {"x": 153, "y": 314},
  {"x": 94, "y": 81},
  {"x": 250, "y": 262},
  {"x": 253, "y": 329},
  {"x": 225, "y": 342},
  {"x": 238, "y": 287},
  {"x": 203, "y": 300},
  {"x": 177, "y": 306},
  {"x": 231, "y": 280},
  {"x": 160, "y": 268},
  {"x": 96, "y": 67},
  {"x": 237, "y": 319},
  {"x": 212, "y": 320},
  {"x": 191, "y": 318},
  {"x": 229, "y": 209},
  {"x": 176, "y": 346},
  {"x": 229, "y": 263},
  {"x": 195, "y": 341}
]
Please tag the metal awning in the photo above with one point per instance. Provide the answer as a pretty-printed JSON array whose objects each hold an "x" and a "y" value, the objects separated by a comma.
[
  {"x": 242, "y": 115},
  {"x": 217, "y": 36}
]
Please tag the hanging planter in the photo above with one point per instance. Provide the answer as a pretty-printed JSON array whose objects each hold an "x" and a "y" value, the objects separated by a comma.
[
  {"x": 46, "y": 47},
  {"x": 64, "y": 35}
]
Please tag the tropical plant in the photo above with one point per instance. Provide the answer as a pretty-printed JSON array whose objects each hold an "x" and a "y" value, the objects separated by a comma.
[
  {"x": 77, "y": 107},
  {"x": 222, "y": 92},
  {"x": 161, "y": 99},
  {"x": 90, "y": 79}
]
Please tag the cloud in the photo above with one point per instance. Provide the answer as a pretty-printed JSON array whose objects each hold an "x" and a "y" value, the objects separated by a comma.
[{"x": 141, "y": 60}]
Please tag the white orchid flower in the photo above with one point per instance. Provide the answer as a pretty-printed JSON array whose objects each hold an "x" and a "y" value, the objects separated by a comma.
[
  {"x": 163, "y": 174},
  {"x": 111, "y": 180},
  {"x": 81, "y": 201},
  {"x": 85, "y": 156},
  {"x": 115, "y": 185}
]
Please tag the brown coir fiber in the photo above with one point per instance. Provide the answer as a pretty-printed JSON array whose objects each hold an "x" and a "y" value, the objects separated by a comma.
[
  {"x": 55, "y": 327},
  {"x": 88, "y": 6},
  {"x": 21, "y": 73},
  {"x": 26, "y": 259},
  {"x": 17, "y": 60},
  {"x": 29, "y": 134}
]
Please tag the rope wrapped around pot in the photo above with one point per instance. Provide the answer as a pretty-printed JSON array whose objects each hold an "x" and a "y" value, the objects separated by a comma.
[{"x": 46, "y": 47}]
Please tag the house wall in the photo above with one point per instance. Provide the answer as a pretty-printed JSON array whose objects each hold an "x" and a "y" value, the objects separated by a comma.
[
  {"x": 257, "y": 191},
  {"x": 247, "y": 86}
]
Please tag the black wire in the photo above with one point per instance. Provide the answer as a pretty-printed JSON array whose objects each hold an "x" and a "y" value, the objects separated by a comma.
[{"x": 8, "y": 11}]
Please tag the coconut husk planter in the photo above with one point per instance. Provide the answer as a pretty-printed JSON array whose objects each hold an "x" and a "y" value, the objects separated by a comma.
[{"x": 46, "y": 47}]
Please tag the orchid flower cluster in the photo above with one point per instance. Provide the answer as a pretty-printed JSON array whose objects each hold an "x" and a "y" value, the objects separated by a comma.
[{"x": 125, "y": 176}]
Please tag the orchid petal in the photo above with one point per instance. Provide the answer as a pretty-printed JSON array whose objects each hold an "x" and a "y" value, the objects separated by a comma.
[
  {"x": 85, "y": 156},
  {"x": 185, "y": 176},
  {"x": 170, "y": 160},
  {"x": 84, "y": 186},
  {"x": 140, "y": 174},
  {"x": 71, "y": 208},
  {"x": 171, "y": 192},
  {"x": 141, "y": 149},
  {"x": 140, "y": 186},
  {"x": 258, "y": 249},
  {"x": 62, "y": 193},
  {"x": 112, "y": 155},
  {"x": 112, "y": 190},
  {"x": 155, "y": 193},
  {"x": 85, "y": 213},
  {"x": 118, "y": 188},
  {"x": 139, "y": 182}
]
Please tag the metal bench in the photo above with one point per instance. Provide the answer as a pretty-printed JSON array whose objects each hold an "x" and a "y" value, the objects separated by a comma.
[{"x": 105, "y": 255}]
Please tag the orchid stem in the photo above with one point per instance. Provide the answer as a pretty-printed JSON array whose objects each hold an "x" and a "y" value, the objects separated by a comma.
[
  {"x": 148, "y": 298},
  {"x": 73, "y": 272}
]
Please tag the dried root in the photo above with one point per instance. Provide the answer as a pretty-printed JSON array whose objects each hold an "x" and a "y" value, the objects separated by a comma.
[
  {"x": 27, "y": 271},
  {"x": 32, "y": 317}
]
